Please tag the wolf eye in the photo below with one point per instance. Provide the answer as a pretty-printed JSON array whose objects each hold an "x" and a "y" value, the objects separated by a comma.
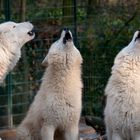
[{"x": 14, "y": 26}]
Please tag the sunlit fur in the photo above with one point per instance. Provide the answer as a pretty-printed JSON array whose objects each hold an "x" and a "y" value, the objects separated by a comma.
[
  {"x": 122, "y": 112},
  {"x": 57, "y": 105}
]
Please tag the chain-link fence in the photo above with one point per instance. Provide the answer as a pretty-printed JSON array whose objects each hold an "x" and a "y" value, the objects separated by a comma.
[{"x": 100, "y": 30}]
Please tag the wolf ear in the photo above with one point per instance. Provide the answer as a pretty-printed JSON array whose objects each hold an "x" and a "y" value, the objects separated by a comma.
[{"x": 45, "y": 61}]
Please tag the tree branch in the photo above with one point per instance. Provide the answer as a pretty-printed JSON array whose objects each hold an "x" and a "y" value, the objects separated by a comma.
[{"x": 121, "y": 29}]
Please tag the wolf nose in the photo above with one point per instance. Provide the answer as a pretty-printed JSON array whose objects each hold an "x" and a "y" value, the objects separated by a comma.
[{"x": 66, "y": 29}]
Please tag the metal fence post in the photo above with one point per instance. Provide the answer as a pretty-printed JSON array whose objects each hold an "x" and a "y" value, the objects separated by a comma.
[
  {"x": 8, "y": 78},
  {"x": 75, "y": 21},
  {"x": 7, "y": 10}
]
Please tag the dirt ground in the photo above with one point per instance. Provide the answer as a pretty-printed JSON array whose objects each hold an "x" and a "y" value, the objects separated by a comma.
[{"x": 86, "y": 133}]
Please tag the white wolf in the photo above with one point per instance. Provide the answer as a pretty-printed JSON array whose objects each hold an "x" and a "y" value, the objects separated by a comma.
[
  {"x": 57, "y": 105},
  {"x": 12, "y": 37},
  {"x": 122, "y": 112}
]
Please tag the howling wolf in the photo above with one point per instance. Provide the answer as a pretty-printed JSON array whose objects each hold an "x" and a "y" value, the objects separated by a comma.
[
  {"x": 122, "y": 112},
  {"x": 57, "y": 105},
  {"x": 12, "y": 37}
]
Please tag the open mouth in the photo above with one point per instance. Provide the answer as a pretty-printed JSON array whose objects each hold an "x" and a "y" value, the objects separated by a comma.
[
  {"x": 67, "y": 37},
  {"x": 31, "y": 33},
  {"x": 138, "y": 36}
]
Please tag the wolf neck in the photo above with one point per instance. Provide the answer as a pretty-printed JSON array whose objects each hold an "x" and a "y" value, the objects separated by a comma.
[
  {"x": 59, "y": 80},
  {"x": 60, "y": 71},
  {"x": 10, "y": 58}
]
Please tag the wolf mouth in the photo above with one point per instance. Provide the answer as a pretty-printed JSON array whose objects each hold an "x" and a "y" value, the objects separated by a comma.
[
  {"x": 138, "y": 36},
  {"x": 67, "y": 37},
  {"x": 32, "y": 32}
]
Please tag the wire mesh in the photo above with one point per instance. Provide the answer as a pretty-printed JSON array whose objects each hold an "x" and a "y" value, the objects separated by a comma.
[{"x": 99, "y": 33}]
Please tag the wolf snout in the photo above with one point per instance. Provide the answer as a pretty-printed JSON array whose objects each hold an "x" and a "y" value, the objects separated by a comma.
[
  {"x": 32, "y": 32},
  {"x": 68, "y": 36}
]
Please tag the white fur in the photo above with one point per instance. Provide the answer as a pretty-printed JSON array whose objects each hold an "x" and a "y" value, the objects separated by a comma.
[
  {"x": 57, "y": 105},
  {"x": 122, "y": 111},
  {"x": 12, "y": 37}
]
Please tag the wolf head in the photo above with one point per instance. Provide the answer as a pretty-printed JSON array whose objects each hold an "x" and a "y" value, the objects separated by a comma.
[
  {"x": 12, "y": 37},
  {"x": 16, "y": 34},
  {"x": 63, "y": 52},
  {"x": 131, "y": 52},
  {"x": 135, "y": 42}
]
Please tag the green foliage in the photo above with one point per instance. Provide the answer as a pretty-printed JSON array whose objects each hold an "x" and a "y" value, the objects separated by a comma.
[{"x": 104, "y": 35}]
